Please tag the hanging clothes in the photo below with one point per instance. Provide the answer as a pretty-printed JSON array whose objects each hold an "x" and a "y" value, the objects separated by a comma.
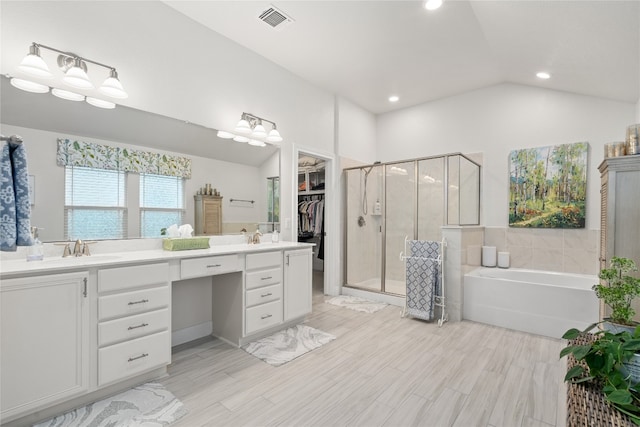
[
  {"x": 310, "y": 216},
  {"x": 15, "y": 207}
]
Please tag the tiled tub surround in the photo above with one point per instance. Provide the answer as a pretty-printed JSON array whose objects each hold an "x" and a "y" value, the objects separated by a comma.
[{"x": 562, "y": 250}]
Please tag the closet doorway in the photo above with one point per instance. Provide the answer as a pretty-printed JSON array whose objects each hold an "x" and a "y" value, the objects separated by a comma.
[{"x": 312, "y": 179}]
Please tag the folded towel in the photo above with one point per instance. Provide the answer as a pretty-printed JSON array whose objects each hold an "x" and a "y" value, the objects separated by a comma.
[
  {"x": 185, "y": 230},
  {"x": 7, "y": 202},
  {"x": 15, "y": 207},
  {"x": 172, "y": 231},
  {"x": 21, "y": 188}
]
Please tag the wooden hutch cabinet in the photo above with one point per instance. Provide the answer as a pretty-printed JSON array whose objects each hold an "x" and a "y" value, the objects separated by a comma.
[{"x": 208, "y": 215}]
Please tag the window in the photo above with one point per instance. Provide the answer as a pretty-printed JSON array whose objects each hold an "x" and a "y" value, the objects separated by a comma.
[
  {"x": 273, "y": 199},
  {"x": 95, "y": 204},
  {"x": 161, "y": 203}
]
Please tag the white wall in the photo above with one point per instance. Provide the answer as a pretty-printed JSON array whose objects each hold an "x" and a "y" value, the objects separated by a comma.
[
  {"x": 638, "y": 112},
  {"x": 501, "y": 118},
  {"x": 356, "y": 132},
  {"x": 48, "y": 211}
]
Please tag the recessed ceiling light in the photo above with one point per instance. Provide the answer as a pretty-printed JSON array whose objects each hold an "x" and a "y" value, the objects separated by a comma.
[
  {"x": 394, "y": 98},
  {"x": 543, "y": 75},
  {"x": 432, "y": 4}
]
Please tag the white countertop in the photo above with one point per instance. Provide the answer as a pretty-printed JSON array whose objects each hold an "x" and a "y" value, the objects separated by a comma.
[{"x": 18, "y": 267}]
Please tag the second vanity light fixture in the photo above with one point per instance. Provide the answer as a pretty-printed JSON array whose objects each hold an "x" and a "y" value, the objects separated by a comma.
[
  {"x": 250, "y": 128},
  {"x": 75, "y": 75}
]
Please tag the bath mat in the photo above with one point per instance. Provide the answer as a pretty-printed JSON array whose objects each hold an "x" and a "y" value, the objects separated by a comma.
[
  {"x": 286, "y": 345},
  {"x": 357, "y": 304},
  {"x": 148, "y": 405}
]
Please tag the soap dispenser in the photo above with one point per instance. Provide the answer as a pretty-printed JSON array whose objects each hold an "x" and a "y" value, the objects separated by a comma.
[{"x": 35, "y": 252}]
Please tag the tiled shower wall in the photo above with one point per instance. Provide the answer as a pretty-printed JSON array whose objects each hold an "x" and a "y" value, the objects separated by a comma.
[{"x": 570, "y": 251}]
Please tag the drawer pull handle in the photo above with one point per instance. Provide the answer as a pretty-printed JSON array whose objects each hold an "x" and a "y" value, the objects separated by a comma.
[
  {"x": 142, "y": 301},
  {"x": 266, "y": 295},
  {"x": 136, "y": 327},
  {"x": 214, "y": 265},
  {"x": 266, "y": 278},
  {"x": 131, "y": 359},
  {"x": 266, "y": 316}
]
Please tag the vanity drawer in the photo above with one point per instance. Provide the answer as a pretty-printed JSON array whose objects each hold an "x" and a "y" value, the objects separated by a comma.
[
  {"x": 263, "y": 316},
  {"x": 130, "y": 327},
  {"x": 115, "y": 279},
  {"x": 133, "y": 357},
  {"x": 264, "y": 260},
  {"x": 262, "y": 295},
  {"x": 263, "y": 278},
  {"x": 135, "y": 302},
  {"x": 208, "y": 266}
]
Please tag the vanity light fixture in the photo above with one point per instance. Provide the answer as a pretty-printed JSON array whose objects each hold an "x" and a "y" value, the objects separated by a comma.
[
  {"x": 251, "y": 130},
  {"x": 251, "y": 124},
  {"x": 74, "y": 68},
  {"x": 29, "y": 86},
  {"x": 100, "y": 103},
  {"x": 68, "y": 95},
  {"x": 225, "y": 135},
  {"x": 34, "y": 64},
  {"x": 432, "y": 4}
]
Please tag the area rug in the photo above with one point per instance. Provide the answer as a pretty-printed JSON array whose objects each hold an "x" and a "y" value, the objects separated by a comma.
[
  {"x": 286, "y": 345},
  {"x": 148, "y": 405},
  {"x": 357, "y": 304}
]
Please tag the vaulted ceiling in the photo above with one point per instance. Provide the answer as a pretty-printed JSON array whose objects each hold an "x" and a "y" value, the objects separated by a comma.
[{"x": 366, "y": 51}]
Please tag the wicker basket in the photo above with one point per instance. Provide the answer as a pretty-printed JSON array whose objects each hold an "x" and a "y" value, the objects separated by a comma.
[
  {"x": 586, "y": 404},
  {"x": 186, "y": 243}
]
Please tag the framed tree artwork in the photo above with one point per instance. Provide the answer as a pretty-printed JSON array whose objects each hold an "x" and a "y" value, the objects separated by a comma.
[{"x": 548, "y": 186}]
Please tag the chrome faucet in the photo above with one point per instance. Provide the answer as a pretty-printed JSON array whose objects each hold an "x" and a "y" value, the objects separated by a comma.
[
  {"x": 255, "y": 238},
  {"x": 78, "y": 248}
]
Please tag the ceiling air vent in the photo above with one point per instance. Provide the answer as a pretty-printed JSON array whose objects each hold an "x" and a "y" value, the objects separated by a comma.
[{"x": 275, "y": 17}]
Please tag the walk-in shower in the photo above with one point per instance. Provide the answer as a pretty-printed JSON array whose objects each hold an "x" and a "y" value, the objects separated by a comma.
[{"x": 414, "y": 198}]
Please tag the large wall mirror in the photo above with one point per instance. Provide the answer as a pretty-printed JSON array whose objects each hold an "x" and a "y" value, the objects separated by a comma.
[{"x": 245, "y": 176}]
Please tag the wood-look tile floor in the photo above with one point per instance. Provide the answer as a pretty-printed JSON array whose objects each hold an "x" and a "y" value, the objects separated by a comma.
[{"x": 382, "y": 370}]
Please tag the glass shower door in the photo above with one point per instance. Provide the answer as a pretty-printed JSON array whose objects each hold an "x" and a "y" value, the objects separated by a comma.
[
  {"x": 364, "y": 228},
  {"x": 400, "y": 222}
]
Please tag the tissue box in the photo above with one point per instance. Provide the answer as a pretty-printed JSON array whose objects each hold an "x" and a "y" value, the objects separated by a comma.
[{"x": 182, "y": 244}]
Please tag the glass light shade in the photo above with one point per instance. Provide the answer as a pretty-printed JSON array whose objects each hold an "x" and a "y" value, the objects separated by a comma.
[
  {"x": 33, "y": 64},
  {"x": 432, "y": 4},
  {"x": 113, "y": 88},
  {"x": 29, "y": 86},
  {"x": 76, "y": 77},
  {"x": 239, "y": 138},
  {"x": 258, "y": 132},
  {"x": 65, "y": 94},
  {"x": 256, "y": 143},
  {"x": 274, "y": 136},
  {"x": 225, "y": 135},
  {"x": 243, "y": 127},
  {"x": 100, "y": 103}
]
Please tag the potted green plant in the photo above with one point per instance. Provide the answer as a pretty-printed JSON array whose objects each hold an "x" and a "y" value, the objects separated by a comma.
[
  {"x": 609, "y": 363},
  {"x": 617, "y": 289}
]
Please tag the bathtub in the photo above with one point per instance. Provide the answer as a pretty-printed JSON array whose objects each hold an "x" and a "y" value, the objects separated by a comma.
[{"x": 540, "y": 302}]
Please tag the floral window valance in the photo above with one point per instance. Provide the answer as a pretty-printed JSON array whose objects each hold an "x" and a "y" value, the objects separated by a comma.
[{"x": 88, "y": 154}]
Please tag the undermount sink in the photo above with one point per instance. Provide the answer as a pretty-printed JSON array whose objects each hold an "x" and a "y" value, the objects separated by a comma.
[{"x": 81, "y": 259}]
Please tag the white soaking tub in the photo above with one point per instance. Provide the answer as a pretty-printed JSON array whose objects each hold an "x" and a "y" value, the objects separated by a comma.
[{"x": 540, "y": 302}]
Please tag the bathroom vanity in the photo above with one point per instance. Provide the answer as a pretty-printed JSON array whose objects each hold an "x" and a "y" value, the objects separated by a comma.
[{"x": 77, "y": 329}]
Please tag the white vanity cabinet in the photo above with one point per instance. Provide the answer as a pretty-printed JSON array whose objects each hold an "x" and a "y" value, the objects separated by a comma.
[
  {"x": 134, "y": 321},
  {"x": 263, "y": 291},
  {"x": 44, "y": 341},
  {"x": 297, "y": 283}
]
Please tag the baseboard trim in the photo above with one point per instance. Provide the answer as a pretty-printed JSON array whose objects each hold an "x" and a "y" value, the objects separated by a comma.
[{"x": 191, "y": 333}]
